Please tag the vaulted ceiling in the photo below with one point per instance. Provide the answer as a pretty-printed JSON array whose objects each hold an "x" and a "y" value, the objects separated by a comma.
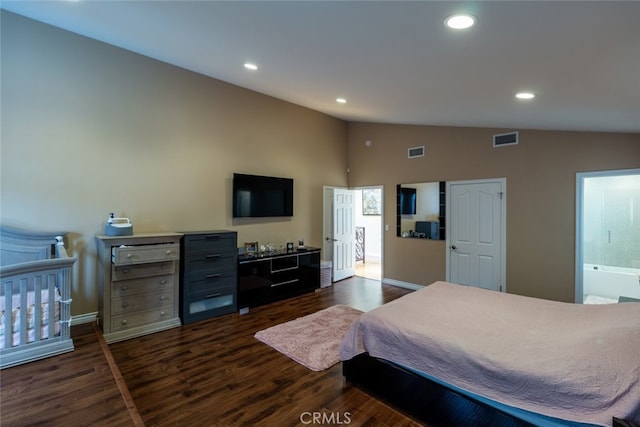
[{"x": 393, "y": 61}]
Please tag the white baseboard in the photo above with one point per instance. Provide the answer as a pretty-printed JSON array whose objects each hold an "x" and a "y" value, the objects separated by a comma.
[
  {"x": 84, "y": 318},
  {"x": 400, "y": 284}
]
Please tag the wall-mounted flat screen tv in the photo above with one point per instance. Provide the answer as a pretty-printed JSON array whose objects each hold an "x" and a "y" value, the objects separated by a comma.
[{"x": 257, "y": 196}]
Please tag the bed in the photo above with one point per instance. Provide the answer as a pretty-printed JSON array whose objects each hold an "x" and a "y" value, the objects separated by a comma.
[
  {"x": 35, "y": 288},
  {"x": 456, "y": 355}
]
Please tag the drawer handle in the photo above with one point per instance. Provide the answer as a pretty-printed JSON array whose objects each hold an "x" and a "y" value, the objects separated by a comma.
[
  {"x": 162, "y": 298},
  {"x": 213, "y": 237},
  {"x": 125, "y": 305},
  {"x": 163, "y": 282},
  {"x": 213, "y": 256},
  {"x": 124, "y": 322},
  {"x": 288, "y": 282},
  {"x": 213, "y": 295},
  {"x": 164, "y": 265},
  {"x": 212, "y": 276},
  {"x": 124, "y": 288},
  {"x": 129, "y": 255},
  {"x": 162, "y": 313},
  {"x": 125, "y": 271},
  {"x": 168, "y": 252}
]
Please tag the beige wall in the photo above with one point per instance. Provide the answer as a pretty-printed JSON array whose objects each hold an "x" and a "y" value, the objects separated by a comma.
[
  {"x": 540, "y": 172},
  {"x": 89, "y": 129}
]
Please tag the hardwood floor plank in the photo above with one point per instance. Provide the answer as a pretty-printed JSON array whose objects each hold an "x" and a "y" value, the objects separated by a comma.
[{"x": 120, "y": 383}]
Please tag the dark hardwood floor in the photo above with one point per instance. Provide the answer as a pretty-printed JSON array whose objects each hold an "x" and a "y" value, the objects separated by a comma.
[
  {"x": 210, "y": 373},
  {"x": 72, "y": 389}
]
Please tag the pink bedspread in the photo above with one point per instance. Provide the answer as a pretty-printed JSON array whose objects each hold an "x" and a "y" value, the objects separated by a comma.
[{"x": 569, "y": 361}]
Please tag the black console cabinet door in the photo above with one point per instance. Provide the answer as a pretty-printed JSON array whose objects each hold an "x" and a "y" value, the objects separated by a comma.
[
  {"x": 310, "y": 270},
  {"x": 273, "y": 278}
]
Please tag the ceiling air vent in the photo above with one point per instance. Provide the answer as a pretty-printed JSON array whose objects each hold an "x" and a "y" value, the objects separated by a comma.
[
  {"x": 416, "y": 152},
  {"x": 503, "y": 139}
]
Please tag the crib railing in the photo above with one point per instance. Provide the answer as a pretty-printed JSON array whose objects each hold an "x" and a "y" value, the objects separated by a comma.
[
  {"x": 32, "y": 330},
  {"x": 33, "y": 285}
]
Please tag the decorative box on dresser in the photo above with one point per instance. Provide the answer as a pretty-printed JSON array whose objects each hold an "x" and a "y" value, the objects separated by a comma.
[
  {"x": 139, "y": 284},
  {"x": 209, "y": 278}
]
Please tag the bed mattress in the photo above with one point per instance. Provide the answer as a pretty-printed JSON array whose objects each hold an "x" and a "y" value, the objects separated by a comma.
[{"x": 573, "y": 362}]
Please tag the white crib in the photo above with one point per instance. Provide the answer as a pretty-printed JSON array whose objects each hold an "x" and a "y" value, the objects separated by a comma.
[{"x": 35, "y": 296}]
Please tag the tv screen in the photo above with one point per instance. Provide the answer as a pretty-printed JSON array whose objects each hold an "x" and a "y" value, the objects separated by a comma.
[{"x": 262, "y": 196}]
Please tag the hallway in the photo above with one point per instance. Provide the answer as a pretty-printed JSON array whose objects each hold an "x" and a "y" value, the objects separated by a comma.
[{"x": 371, "y": 268}]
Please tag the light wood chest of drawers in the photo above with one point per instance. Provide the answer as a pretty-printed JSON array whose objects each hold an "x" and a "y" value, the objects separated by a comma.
[{"x": 138, "y": 284}]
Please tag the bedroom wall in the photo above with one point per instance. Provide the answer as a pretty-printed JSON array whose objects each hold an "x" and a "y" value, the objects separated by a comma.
[
  {"x": 88, "y": 129},
  {"x": 541, "y": 178}
]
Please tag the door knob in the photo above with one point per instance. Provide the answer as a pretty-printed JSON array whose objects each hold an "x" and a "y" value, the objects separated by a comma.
[{"x": 454, "y": 247}]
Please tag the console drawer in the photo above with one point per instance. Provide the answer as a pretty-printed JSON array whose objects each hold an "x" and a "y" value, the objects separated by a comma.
[{"x": 126, "y": 255}]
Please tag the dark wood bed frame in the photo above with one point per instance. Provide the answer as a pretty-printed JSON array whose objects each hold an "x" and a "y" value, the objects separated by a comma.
[{"x": 426, "y": 400}]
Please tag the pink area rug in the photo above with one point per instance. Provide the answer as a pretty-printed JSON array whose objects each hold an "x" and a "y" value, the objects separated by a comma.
[{"x": 313, "y": 340}]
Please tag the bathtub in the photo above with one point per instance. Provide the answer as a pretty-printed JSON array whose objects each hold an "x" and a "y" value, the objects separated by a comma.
[{"x": 602, "y": 283}]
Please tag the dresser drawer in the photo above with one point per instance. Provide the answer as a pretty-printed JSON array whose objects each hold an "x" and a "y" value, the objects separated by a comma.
[
  {"x": 209, "y": 242},
  {"x": 125, "y": 321},
  {"x": 221, "y": 302},
  {"x": 138, "y": 302},
  {"x": 126, "y": 255},
  {"x": 208, "y": 283},
  {"x": 198, "y": 266},
  {"x": 126, "y": 272},
  {"x": 160, "y": 284}
]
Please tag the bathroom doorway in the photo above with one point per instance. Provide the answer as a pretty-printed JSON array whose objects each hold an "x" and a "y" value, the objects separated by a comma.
[{"x": 608, "y": 236}]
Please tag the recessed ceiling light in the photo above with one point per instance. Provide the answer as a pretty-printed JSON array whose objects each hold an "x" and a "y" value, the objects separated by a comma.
[
  {"x": 525, "y": 95},
  {"x": 341, "y": 100},
  {"x": 460, "y": 22},
  {"x": 250, "y": 66}
]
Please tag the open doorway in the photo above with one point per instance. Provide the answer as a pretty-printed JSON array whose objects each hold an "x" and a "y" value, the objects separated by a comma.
[
  {"x": 608, "y": 236},
  {"x": 364, "y": 257},
  {"x": 368, "y": 224}
]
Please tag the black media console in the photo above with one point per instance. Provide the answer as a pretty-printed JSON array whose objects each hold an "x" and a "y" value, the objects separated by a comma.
[{"x": 269, "y": 277}]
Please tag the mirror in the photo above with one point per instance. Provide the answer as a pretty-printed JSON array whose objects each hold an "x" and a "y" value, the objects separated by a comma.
[{"x": 421, "y": 210}]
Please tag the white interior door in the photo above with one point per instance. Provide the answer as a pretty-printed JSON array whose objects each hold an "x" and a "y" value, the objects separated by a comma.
[
  {"x": 476, "y": 233},
  {"x": 344, "y": 234}
]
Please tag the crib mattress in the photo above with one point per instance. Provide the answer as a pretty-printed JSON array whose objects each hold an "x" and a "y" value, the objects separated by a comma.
[{"x": 12, "y": 322}]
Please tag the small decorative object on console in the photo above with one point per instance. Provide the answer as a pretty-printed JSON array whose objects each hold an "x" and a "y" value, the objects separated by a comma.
[
  {"x": 289, "y": 246},
  {"x": 250, "y": 248}
]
